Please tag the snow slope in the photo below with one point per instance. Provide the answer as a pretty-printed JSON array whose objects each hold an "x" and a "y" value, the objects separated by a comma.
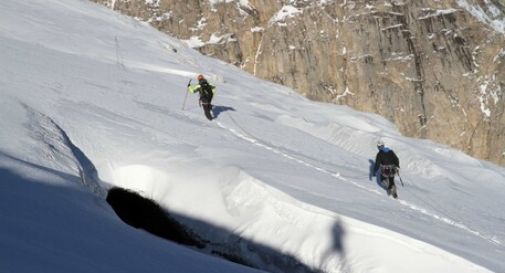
[{"x": 91, "y": 99}]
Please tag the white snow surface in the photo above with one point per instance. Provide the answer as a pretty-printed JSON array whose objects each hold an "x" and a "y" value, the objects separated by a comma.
[
  {"x": 494, "y": 20},
  {"x": 287, "y": 11},
  {"x": 90, "y": 99}
]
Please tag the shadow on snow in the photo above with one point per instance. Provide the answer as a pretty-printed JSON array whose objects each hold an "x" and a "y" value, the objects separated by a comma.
[
  {"x": 136, "y": 211},
  {"x": 371, "y": 175},
  {"x": 218, "y": 109},
  {"x": 144, "y": 213}
]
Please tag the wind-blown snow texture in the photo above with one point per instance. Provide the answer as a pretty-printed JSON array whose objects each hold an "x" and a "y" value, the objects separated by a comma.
[{"x": 91, "y": 99}]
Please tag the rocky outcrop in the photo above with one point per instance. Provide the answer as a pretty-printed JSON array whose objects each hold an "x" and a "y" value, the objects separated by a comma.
[{"x": 434, "y": 68}]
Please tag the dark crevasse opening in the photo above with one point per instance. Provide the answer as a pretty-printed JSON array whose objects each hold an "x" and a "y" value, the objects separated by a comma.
[
  {"x": 140, "y": 212},
  {"x": 146, "y": 214}
]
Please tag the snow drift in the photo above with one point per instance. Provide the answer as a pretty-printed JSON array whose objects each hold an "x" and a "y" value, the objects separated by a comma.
[{"x": 92, "y": 100}]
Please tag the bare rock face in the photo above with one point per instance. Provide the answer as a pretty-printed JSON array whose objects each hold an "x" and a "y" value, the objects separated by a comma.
[{"x": 435, "y": 68}]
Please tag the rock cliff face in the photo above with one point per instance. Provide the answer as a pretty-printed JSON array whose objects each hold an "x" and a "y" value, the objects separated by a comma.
[{"x": 435, "y": 68}]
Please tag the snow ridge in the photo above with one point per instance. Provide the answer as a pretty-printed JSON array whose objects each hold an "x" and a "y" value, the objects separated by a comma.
[
  {"x": 247, "y": 137},
  {"x": 52, "y": 135}
]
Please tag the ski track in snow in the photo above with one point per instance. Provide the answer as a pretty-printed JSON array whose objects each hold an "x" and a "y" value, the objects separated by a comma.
[{"x": 247, "y": 137}]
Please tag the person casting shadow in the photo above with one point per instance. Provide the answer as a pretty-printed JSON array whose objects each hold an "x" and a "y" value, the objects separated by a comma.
[
  {"x": 386, "y": 166},
  {"x": 206, "y": 91}
]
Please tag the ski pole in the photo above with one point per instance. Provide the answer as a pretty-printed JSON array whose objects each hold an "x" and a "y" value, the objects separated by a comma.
[
  {"x": 401, "y": 181},
  {"x": 185, "y": 96}
]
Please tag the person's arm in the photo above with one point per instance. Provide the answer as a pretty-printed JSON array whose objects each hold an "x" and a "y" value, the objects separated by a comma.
[
  {"x": 193, "y": 88},
  {"x": 396, "y": 160}
]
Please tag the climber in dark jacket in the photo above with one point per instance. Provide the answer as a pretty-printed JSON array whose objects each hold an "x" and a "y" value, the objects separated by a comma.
[
  {"x": 206, "y": 91},
  {"x": 388, "y": 164}
]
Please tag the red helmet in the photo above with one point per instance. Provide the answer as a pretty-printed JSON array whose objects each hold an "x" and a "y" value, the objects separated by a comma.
[{"x": 200, "y": 77}]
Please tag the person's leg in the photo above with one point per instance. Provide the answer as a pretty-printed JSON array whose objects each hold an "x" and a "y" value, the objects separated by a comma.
[
  {"x": 392, "y": 187},
  {"x": 207, "y": 108},
  {"x": 385, "y": 183},
  {"x": 391, "y": 182}
]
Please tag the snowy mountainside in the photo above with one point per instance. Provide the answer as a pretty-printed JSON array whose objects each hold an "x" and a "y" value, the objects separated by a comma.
[
  {"x": 436, "y": 69},
  {"x": 93, "y": 100}
]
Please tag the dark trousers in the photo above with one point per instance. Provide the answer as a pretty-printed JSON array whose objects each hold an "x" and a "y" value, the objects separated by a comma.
[
  {"x": 390, "y": 180},
  {"x": 207, "y": 108}
]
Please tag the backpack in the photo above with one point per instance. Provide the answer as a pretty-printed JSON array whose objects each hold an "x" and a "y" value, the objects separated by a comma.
[{"x": 206, "y": 91}]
